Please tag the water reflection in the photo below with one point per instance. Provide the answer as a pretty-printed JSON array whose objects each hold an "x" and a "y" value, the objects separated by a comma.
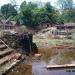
[
  {"x": 39, "y": 68},
  {"x": 61, "y": 58}
]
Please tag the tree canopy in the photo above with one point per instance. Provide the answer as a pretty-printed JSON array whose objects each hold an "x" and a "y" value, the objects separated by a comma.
[
  {"x": 68, "y": 10},
  {"x": 31, "y": 14},
  {"x": 8, "y": 10}
]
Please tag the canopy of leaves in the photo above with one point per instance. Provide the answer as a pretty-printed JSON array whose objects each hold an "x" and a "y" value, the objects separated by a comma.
[
  {"x": 32, "y": 15},
  {"x": 8, "y": 10},
  {"x": 68, "y": 10}
]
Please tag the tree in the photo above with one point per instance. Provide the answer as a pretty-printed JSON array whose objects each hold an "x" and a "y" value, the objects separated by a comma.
[
  {"x": 44, "y": 14},
  {"x": 50, "y": 12},
  {"x": 57, "y": 17},
  {"x": 65, "y": 4},
  {"x": 8, "y": 10},
  {"x": 68, "y": 10},
  {"x": 32, "y": 15},
  {"x": 23, "y": 6},
  {"x": 69, "y": 15},
  {"x": 40, "y": 17},
  {"x": 26, "y": 10}
]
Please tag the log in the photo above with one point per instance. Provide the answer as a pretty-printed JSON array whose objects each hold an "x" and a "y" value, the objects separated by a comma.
[{"x": 60, "y": 66}]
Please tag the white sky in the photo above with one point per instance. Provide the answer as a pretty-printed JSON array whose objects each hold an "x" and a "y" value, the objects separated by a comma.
[{"x": 20, "y": 1}]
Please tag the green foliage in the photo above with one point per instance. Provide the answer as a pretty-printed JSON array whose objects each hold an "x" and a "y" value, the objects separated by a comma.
[
  {"x": 27, "y": 11},
  {"x": 32, "y": 15},
  {"x": 69, "y": 15},
  {"x": 57, "y": 18},
  {"x": 8, "y": 10},
  {"x": 17, "y": 18},
  {"x": 68, "y": 10}
]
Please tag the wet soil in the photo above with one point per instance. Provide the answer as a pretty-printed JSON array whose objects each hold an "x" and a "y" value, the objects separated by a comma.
[{"x": 23, "y": 68}]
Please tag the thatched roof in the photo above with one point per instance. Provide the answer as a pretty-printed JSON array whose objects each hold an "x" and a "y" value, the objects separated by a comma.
[{"x": 69, "y": 24}]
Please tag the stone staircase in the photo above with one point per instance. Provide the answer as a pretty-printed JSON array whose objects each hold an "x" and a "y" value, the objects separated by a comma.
[{"x": 6, "y": 58}]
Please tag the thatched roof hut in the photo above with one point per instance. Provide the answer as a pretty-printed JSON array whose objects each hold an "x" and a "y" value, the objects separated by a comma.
[
  {"x": 6, "y": 25},
  {"x": 66, "y": 26}
]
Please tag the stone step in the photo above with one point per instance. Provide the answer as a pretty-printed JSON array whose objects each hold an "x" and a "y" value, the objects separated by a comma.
[
  {"x": 5, "y": 52},
  {"x": 5, "y": 68},
  {"x": 6, "y": 59},
  {"x": 2, "y": 47}
]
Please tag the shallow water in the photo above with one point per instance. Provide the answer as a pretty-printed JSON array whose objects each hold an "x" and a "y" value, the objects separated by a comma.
[
  {"x": 68, "y": 57},
  {"x": 39, "y": 68}
]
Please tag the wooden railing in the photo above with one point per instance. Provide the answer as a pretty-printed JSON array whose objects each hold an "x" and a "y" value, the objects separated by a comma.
[{"x": 4, "y": 43}]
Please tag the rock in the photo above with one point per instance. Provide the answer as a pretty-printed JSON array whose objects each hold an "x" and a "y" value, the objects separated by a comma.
[
  {"x": 17, "y": 56},
  {"x": 37, "y": 56}
]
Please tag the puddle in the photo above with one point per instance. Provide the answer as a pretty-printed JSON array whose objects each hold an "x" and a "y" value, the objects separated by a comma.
[
  {"x": 39, "y": 68},
  {"x": 61, "y": 57}
]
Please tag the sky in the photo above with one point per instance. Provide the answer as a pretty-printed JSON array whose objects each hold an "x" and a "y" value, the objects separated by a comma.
[{"x": 53, "y": 2}]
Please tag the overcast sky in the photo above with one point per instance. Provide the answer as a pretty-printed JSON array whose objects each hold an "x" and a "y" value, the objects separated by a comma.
[{"x": 20, "y": 1}]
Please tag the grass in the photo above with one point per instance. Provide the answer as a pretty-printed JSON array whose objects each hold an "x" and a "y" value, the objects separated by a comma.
[
  {"x": 44, "y": 42},
  {"x": 45, "y": 39}
]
